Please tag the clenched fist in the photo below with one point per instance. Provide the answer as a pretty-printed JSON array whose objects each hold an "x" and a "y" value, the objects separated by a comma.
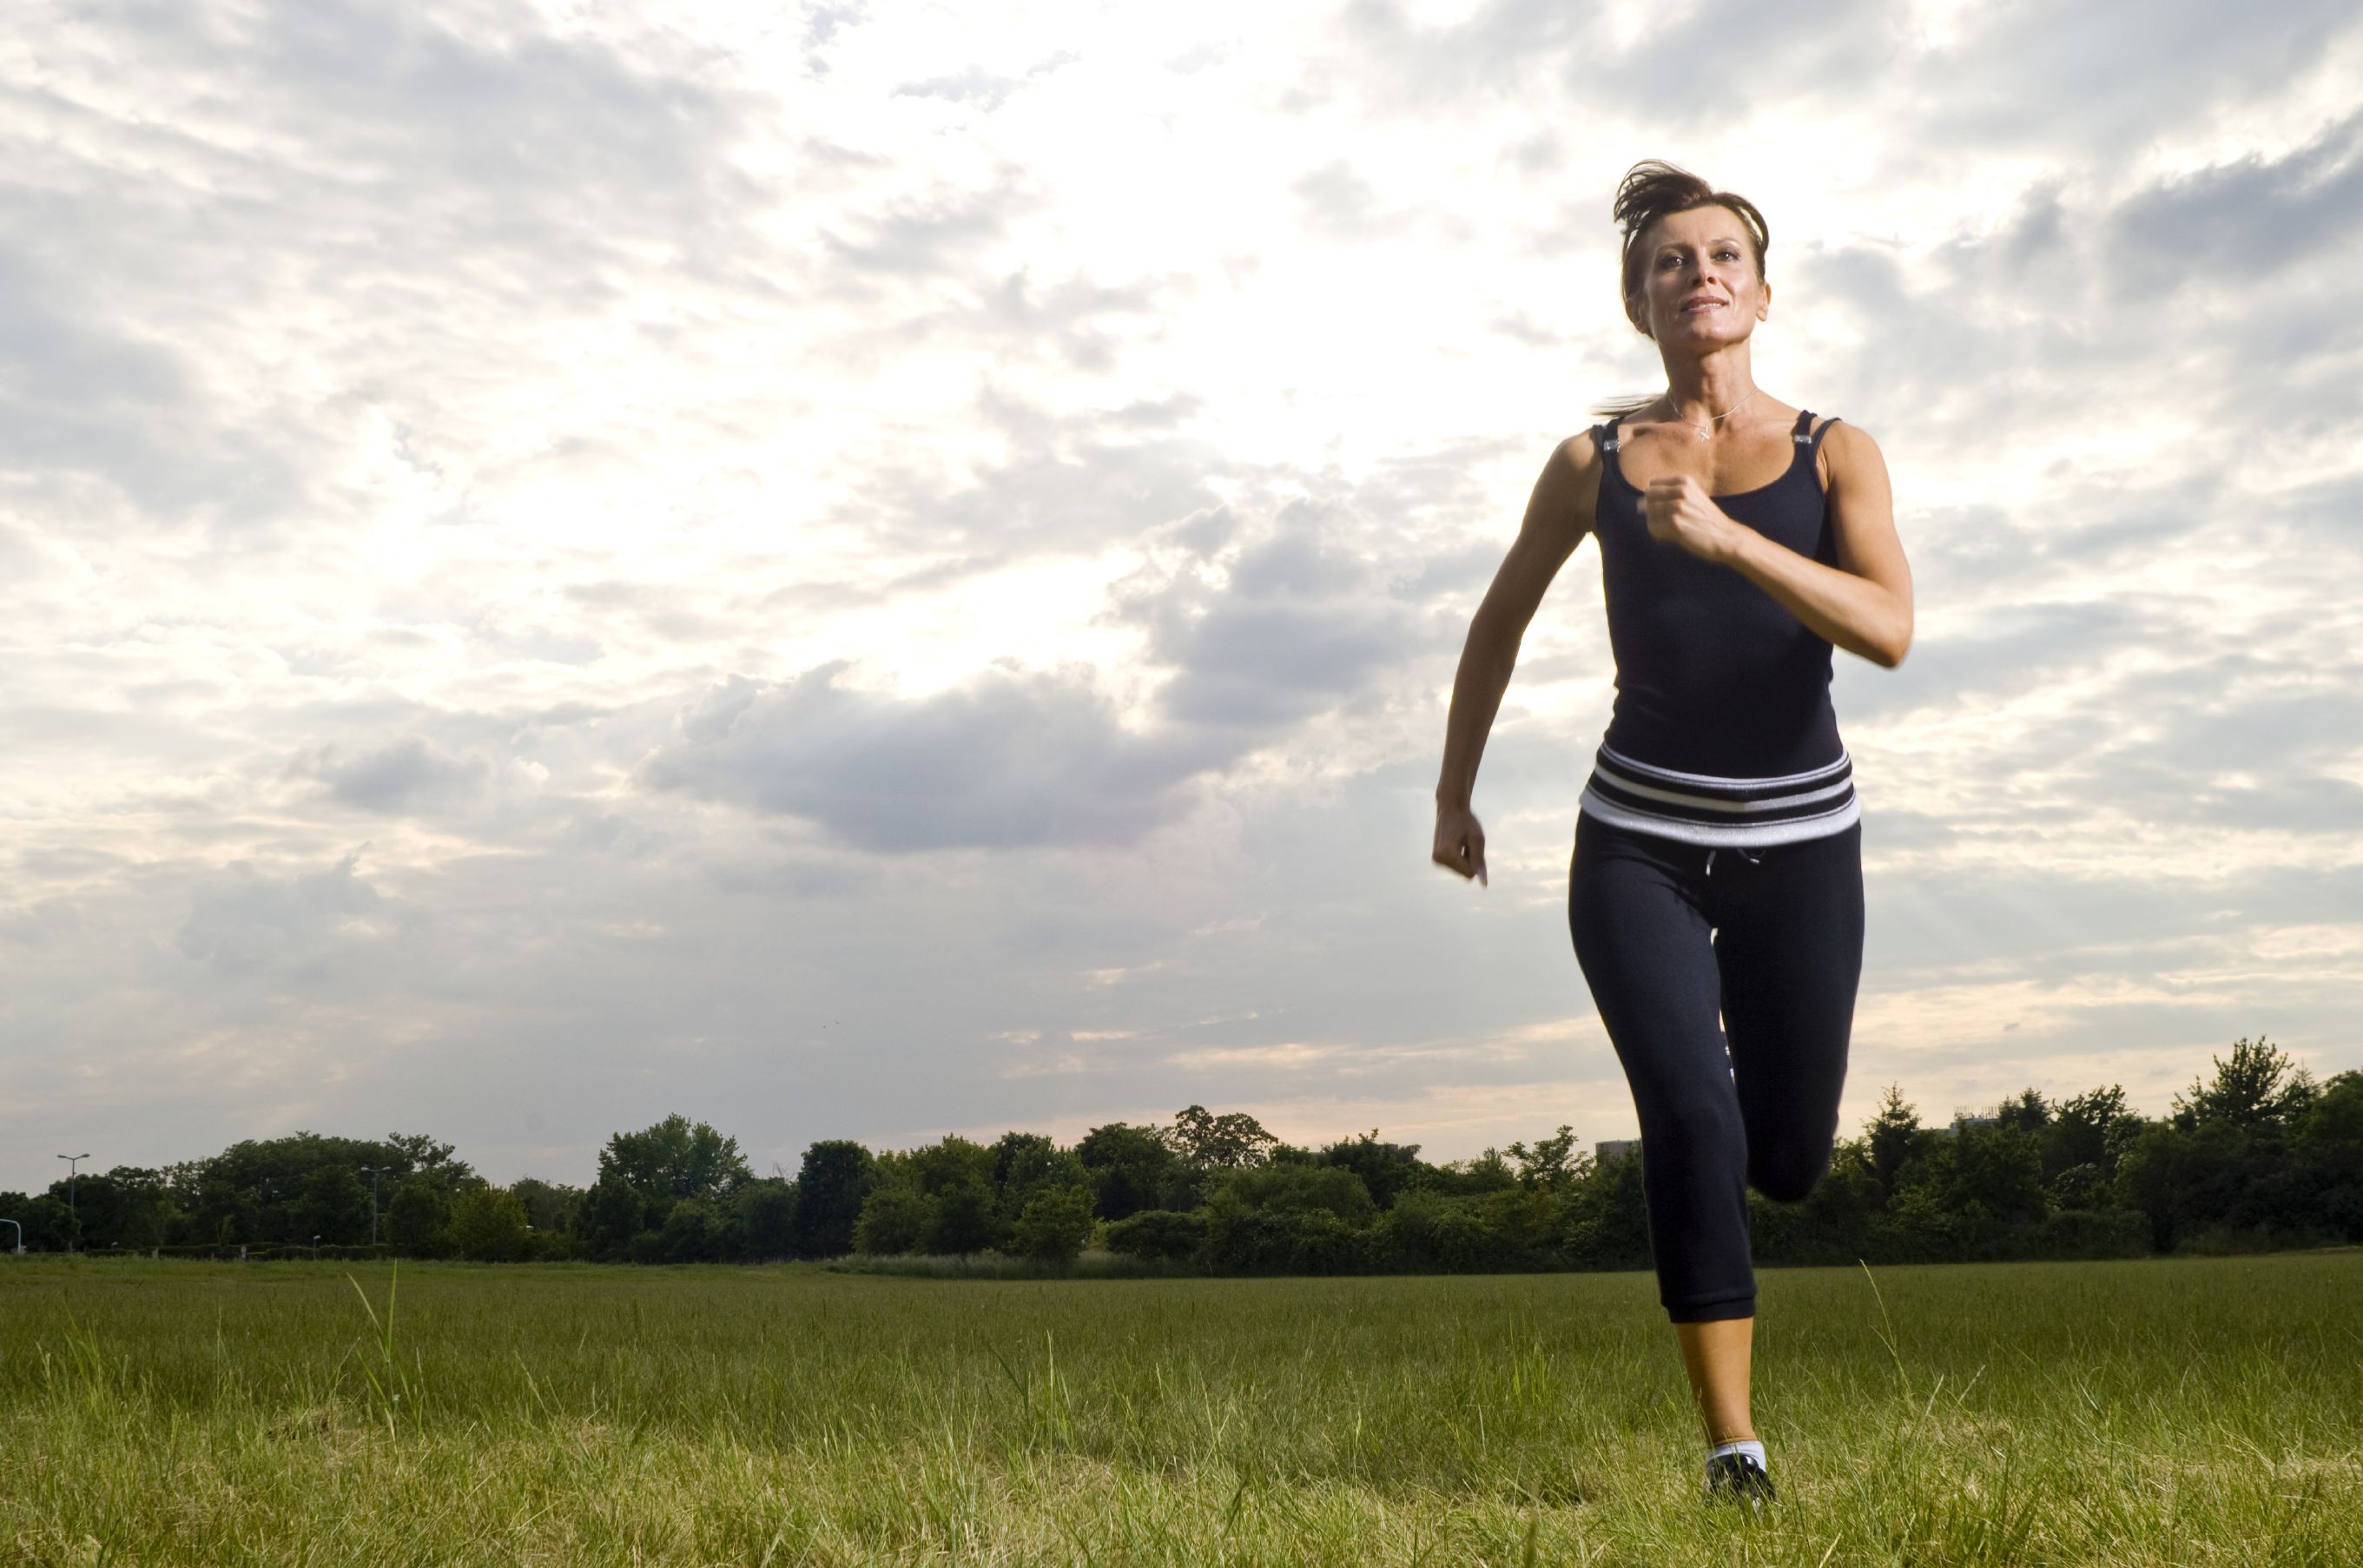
[
  {"x": 1677, "y": 508},
  {"x": 1460, "y": 842}
]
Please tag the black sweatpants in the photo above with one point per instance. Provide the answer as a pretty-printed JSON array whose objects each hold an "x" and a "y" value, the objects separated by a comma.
[{"x": 1780, "y": 967}]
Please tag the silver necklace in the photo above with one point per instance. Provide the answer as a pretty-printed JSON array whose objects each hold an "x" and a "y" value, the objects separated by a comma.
[{"x": 1708, "y": 429}]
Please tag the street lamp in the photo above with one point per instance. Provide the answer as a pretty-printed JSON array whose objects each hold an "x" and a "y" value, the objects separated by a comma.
[
  {"x": 74, "y": 1220},
  {"x": 371, "y": 1172},
  {"x": 20, "y": 1236}
]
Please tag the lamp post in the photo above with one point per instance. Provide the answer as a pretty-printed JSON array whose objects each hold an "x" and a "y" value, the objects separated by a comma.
[
  {"x": 74, "y": 1219},
  {"x": 371, "y": 1172},
  {"x": 20, "y": 1236}
]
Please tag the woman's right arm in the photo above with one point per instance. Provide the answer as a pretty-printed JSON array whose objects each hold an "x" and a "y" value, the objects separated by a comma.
[{"x": 1559, "y": 514}]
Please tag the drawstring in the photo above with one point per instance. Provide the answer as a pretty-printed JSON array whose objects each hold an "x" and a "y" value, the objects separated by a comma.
[{"x": 1752, "y": 859}]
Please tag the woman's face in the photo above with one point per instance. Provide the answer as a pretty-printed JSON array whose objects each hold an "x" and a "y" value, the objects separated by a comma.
[{"x": 1698, "y": 279}]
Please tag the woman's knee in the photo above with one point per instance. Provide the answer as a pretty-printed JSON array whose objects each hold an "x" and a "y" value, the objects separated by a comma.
[{"x": 1787, "y": 1174}]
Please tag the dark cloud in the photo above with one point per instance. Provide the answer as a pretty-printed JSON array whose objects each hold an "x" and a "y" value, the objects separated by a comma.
[
  {"x": 2094, "y": 77},
  {"x": 1009, "y": 761},
  {"x": 1294, "y": 628},
  {"x": 2217, "y": 288},
  {"x": 406, "y": 775},
  {"x": 2004, "y": 654},
  {"x": 2242, "y": 225},
  {"x": 244, "y": 920},
  {"x": 1290, "y": 626},
  {"x": 1718, "y": 59}
]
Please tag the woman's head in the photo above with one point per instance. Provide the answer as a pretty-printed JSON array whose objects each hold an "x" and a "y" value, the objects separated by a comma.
[{"x": 1683, "y": 236}]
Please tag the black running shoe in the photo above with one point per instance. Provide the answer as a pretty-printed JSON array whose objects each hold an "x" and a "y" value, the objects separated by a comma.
[{"x": 1738, "y": 1477}]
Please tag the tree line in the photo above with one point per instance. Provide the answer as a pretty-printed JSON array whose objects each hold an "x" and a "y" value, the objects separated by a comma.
[{"x": 2259, "y": 1156}]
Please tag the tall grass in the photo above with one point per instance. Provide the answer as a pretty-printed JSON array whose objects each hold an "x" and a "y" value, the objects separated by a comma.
[{"x": 2188, "y": 1411}]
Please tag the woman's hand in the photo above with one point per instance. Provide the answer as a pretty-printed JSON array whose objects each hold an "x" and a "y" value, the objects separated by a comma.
[
  {"x": 1677, "y": 508},
  {"x": 1459, "y": 841}
]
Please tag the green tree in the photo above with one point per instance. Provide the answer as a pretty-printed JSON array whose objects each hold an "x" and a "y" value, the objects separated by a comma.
[
  {"x": 1997, "y": 1168},
  {"x": 550, "y": 1207},
  {"x": 1159, "y": 1233},
  {"x": 2249, "y": 1091},
  {"x": 417, "y": 1155},
  {"x": 1386, "y": 1169},
  {"x": 1220, "y": 1142},
  {"x": 2028, "y": 1112},
  {"x": 612, "y": 1214},
  {"x": 830, "y": 1188},
  {"x": 1293, "y": 1186},
  {"x": 1129, "y": 1165},
  {"x": 963, "y": 1220},
  {"x": 895, "y": 1218},
  {"x": 1893, "y": 1135},
  {"x": 674, "y": 1159},
  {"x": 691, "y": 1233},
  {"x": 129, "y": 1206},
  {"x": 418, "y": 1216},
  {"x": 1026, "y": 1163},
  {"x": 1553, "y": 1165},
  {"x": 2328, "y": 1151},
  {"x": 2093, "y": 1129},
  {"x": 764, "y": 1211},
  {"x": 1482, "y": 1173},
  {"x": 488, "y": 1224},
  {"x": 335, "y": 1207},
  {"x": 950, "y": 1161},
  {"x": 1055, "y": 1224}
]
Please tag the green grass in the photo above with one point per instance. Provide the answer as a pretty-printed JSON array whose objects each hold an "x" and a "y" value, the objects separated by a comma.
[{"x": 2156, "y": 1411}]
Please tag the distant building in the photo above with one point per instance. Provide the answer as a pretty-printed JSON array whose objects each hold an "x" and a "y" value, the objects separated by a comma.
[
  {"x": 1614, "y": 1148},
  {"x": 1961, "y": 1122}
]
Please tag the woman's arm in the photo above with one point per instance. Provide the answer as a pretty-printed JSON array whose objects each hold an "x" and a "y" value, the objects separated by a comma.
[
  {"x": 1864, "y": 604},
  {"x": 1558, "y": 514}
]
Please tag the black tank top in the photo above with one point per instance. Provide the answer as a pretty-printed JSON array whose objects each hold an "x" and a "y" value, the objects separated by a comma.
[{"x": 1723, "y": 732}]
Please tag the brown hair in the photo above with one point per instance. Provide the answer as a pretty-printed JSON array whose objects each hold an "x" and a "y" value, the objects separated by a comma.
[{"x": 1650, "y": 190}]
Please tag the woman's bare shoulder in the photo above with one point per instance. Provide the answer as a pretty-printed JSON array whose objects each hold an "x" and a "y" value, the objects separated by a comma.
[
  {"x": 1563, "y": 501},
  {"x": 1847, "y": 450}
]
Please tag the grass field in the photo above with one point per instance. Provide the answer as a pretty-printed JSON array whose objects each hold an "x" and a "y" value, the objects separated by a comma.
[{"x": 2158, "y": 1411}]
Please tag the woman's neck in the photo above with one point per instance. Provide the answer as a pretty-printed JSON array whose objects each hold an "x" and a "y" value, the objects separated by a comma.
[{"x": 1701, "y": 390}]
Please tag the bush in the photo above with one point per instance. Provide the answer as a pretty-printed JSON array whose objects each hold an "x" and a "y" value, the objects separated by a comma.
[
  {"x": 488, "y": 1225},
  {"x": 2097, "y": 1233},
  {"x": 894, "y": 1220},
  {"x": 1056, "y": 1222},
  {"x": 963, "y": 1219},
  {"x": 1159, "y": 1233},
  {"x": 1431, "y": 1231}
]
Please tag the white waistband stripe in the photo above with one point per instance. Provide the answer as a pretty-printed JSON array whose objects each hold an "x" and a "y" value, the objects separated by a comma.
[{"x": 1697, "y": 808}]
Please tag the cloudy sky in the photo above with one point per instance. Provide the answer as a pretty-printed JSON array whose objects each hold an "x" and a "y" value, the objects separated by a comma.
[{"x": 876, "y": 570}]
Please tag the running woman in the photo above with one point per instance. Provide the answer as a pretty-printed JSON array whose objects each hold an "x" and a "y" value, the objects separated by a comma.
[{"x": 1716, "y": 889}]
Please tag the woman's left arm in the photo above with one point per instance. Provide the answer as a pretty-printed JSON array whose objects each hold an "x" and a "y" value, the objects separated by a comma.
[{"x": 1864, "y": 605}]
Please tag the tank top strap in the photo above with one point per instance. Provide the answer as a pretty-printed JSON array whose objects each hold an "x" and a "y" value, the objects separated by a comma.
[
  {"x": 1603, "y": 435},
  {"x": 1805, "y": 434}
]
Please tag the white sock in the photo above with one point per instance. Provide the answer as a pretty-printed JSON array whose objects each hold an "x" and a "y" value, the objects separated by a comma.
[{"x": 1748, "y": 1446}]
